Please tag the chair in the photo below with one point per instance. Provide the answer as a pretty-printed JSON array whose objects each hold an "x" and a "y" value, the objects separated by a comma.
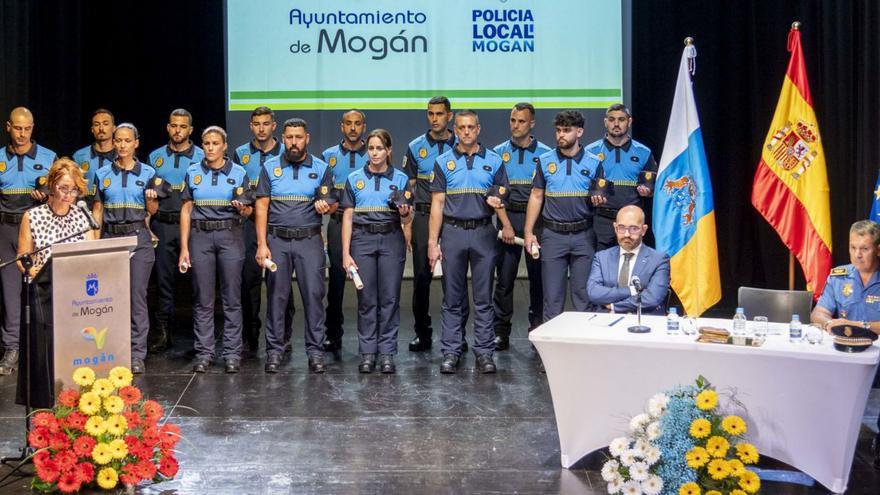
[{"x": 776, "y": 305}]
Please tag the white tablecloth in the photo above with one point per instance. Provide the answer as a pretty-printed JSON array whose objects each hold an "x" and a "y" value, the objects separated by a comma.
[{"x": 805, "y": 402}]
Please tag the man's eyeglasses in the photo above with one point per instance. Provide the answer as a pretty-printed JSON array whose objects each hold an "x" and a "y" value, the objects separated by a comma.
[
  {"x": 67, "y": 192},
  {"x": 631, "y": 229}
]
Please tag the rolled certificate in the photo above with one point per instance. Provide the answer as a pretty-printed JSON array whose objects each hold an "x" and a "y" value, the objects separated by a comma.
[
  {"x": 535, "y": 251},
  {"x": 358, "y": 283},
  {"x": 183, "y": 267},
  {"x": 269, "y": 265},
  {"x": 438, "y": 269},
  {"x": 516, "y": 240}
]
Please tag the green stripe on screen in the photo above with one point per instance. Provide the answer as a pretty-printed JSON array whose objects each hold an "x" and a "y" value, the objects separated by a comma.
[{"x": 452, "y": 93}]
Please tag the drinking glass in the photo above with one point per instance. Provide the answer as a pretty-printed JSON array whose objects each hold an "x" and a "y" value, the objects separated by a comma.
[{"x": 759, "y": 328}]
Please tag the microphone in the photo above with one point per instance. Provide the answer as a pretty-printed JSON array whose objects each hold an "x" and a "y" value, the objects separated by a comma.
[
  {"x": 637, "y": 284},
  {"x": 85, "y": 209}
]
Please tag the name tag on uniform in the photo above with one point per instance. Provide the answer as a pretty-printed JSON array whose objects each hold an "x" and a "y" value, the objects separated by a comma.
[
  {"x": 872, "y": 299},
  {"x": 37, "y": 166},
  {"x": 634, "y": 158},
  {"x": 487, "y": 168},
  {"x": 140, "y": 183},
  {"x": 230, "y": 181}
]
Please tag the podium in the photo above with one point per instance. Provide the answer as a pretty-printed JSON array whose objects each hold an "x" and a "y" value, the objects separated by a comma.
[{"x": 91, "y": 305}]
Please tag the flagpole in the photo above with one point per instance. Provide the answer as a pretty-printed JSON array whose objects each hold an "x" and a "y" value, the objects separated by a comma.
[{"x": 790, "y": 270}]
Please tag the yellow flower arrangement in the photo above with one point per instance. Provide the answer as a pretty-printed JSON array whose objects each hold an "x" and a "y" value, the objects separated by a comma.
[
  {"x": 697, "y": 457},
  {"x": 107, "y": 478},
  {"x": 717, "y": 446},
  {"x": 707, "y": 400},
  {"x": 700, "y": 428},
  {"x": 734, "y": 425},
  {"x": 689, "y": 489},
  {"x": 736, "y": 467},
  {"x": 750, "y": 482},
  {"x": 102, "y": 453},
  {"x": 84, "y": 376},
  {"x": 120, "y": 376},
  {"x": 89, "y": 403},
  {"x": 95, "y": 426},
  {"x": 718, "y": 469},
  {"x": 103, "y": 387}
]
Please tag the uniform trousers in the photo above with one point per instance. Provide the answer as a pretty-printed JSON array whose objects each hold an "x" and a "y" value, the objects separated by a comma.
[
  {"x": 251, "y": 287},
  {"x": 335, "y": 280},
  {"x": 506, "y": 270},
  {"x": 380, "y": 259},
  {"x": 10, "y": 285},
  {"x": 566, "y": 257},
  {"x": 140, "y": 265},
  {"x": 167, "y": 256}
]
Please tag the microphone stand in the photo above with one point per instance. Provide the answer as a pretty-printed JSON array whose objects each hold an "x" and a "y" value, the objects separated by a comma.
[
  {"x": 638, "y": 327},
  {"x": 26, "y": 453}
]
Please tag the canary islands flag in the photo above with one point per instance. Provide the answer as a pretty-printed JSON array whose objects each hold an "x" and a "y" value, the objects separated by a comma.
[
  {"x": 875, "y": 203},
  {"x": 684, "y": 212}
]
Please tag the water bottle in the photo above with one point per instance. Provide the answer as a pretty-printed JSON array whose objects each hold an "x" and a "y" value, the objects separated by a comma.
[
  {"x": 795, "y": 331},
  {"x": 739, "y": 323},
  {"x": 672, "y": 322}
]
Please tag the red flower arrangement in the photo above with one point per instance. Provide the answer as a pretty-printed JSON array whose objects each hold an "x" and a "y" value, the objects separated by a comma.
[{"x": 102, "y": 435}]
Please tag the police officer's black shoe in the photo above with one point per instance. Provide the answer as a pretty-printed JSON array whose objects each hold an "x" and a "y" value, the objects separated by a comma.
[
  {"x": 419, "y": 344},
  {"x": 332, "y": 345},
  {"x": 160, "y": 338},
  {"x": 9, "y": 363},
  {"x": 502, "y": 343},
  {"x": 316, "y": 364},
  {"x": 368, "y": 363},
  {"x": 449, "y": 364},
  {"x": 386, "y": 364},
  {"x": 273, "y": 363},
  {"x": 464, "y": 346},
  {"x": 233, "y": 365},
  {"x": 201, "y": 365},
  {"x": 137, "y": 366},
  {"x": 486, "y": 364},
  {"x": 288, "y": 346}
]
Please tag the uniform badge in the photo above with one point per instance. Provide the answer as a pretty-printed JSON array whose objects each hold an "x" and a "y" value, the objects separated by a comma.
[
  {"x": 42, "y": 181},
  {"x": 407, "y": 194},
  {"x": 324, "y": 189},
  {"x": 847, "y": 331},
  {"x": 239, "y": 191},
  {"x": 423, "y": 152},
  {"x": 332, "y": 161},
  {"x": 551, "y": 168},
  {"x": 197, "y": 180},
  {"x": 601, "y": 182},
  {"x": 846, "y": 290},
  {"x": 245, "y": 159},
  {"x": 106, "y": 183},
  {"x": 505, "y": 156},
  {"x": 450, "y": 165},
  {"x": 277, "y": 171},
  {"x": 502, "y": 190},
  {"x": 601, "y": 156},
  {"x": 359, "y": 184},
  {"x": 84, "y": 166},
  {"x": 157, "y": 181},
  {"x": 836, "y": 272},
  {"x": 159, "y": 162},
  {"x": 649, "y": 175},
  {"x": 2, "y": 166}
]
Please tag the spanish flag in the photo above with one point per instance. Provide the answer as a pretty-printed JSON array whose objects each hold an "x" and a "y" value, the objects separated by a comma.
[
  {"x": 791, "y": 184},
  {"x": 684, "y": 210}
]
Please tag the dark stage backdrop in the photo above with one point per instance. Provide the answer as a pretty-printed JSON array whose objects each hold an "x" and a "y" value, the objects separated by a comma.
[{"x": 65, "y": 58}]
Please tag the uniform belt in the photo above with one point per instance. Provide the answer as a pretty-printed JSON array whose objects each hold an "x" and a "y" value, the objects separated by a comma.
[
  {"x": 517, "y": 207},
  {"x": 14, "y": 218},
  {"x": 337, "y": 215},
  {"x": 607, "y": 212},
  {"x": 302, "y": 233},
  {"x": 568, "y": 227},
  {"x": 423, "y": 207},
  {"x": 209, "y": 225},
  {"x": 377, "y": 228},
  {"x": 467, "y": 224},
  {"x": 123, "y": 228},
  {"x": 168, "y": 217}
]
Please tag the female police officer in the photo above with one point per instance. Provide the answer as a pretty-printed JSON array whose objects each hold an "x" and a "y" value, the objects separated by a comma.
[
  {"x": 373, "y": 247},
  {"x": 211, "y": 224},
  {"x": 122, "y": 202}
]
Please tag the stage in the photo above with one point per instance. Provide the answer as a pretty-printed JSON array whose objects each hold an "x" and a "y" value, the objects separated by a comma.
[{"x": 343, "y": 432}]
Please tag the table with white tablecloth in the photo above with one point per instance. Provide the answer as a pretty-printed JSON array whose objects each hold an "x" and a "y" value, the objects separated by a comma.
[{"x": 805, "y": 401}]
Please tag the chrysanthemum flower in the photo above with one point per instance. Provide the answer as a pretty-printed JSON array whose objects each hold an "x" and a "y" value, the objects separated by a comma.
[
  {"x": 68, "y": 398},
  {"x": 130, "y": 395},
  {"x": 84, "y": 376},
  {"x": 84, "y": 445},
  {"x": 68, "y": 482},
  {"x": 737, "y": 491},
  {"x": 107, "y": 478},
  {"x": 85, "y": 472},
  {"x": 717, "y": 446},
  {"x": 736, "y": 467},
  {"x": 103, "y": 387},
  {"x": 113, "y": 404},
  {"x": 119, "y": 448},
  {"x": 697, "y": 457},
  {"x": 734, "y": 425},
  {"x": 76, "y": 420},
  {"x": 700, "y": 428},
  {"x": 707, "y": 399},
  {"x": 152, "y": 410},
  {"x": 90, "y": 403},
  {"x": 38, "y": 438},
  {"x": 168, "y": 466},
  {"x": 747, "y": 453},
  {"x": 120, "y": 376},
  {"x": 116, "y": 425},
  {"x": 713, "y": 492},
  {"x": 689, "y": 489},
  {"x": 95, "y": 426},
  {"x": 718, "y": 469},
  {"x": 750, "y": 482},
  {"x": 102, "y": 454}
]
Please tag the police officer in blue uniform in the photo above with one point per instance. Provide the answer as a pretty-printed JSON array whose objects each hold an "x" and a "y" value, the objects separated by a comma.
[
  {"x": 288, "y": 221},
  {"x": 421, "y": 155},
  {"x": 852, "y": 292},
  {"x": 622, "y": 159},
  {"x": 211, "y": 242},
  {"x": 344, "y": 158},
  {"x": 98, "y": 154},
  {"x": 561, "y": 187},
  {"x": 460, "y": 207},
  {"x": 22, "y": 163},
  {"x": 122, "y": 203},
  {"x": 520, "y": 154},
  {"x": 253, "y": 156},
  {"x": 170, "y": 162},
  {"x": 374, "y": 247}
]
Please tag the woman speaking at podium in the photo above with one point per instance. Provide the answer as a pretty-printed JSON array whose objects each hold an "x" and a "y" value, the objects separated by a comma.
[{"x": 53, "y": 222}]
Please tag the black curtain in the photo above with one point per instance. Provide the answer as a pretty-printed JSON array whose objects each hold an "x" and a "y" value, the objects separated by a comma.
[{"x": 63, "y": 59}]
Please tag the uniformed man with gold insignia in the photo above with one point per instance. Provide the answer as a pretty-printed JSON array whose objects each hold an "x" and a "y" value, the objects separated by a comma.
[
  {"x": 627, "y": 163},
  {"x": 344, "y": 158},
  {"x": 99, "y": 153},
  {"x": 288, "y": 221},
  {"x": 253, "y": 156},
  {"x": 421, "y": 154},
  {"x": 520, "y": 154},
  {"x": 852, "y": 292},
  {"x": 22, "y": 163},
  {"x": 462, "y": 236},
  {"x": 170, "y": 162},
  {"x": 560, "y": 196}
]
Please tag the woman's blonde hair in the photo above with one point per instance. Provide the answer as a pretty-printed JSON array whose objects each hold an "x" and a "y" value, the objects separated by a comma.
[{"x": 65, "y": 166}]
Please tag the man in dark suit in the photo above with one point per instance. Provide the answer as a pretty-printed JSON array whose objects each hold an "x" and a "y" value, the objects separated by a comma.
[{"x": 610, "y": 283}]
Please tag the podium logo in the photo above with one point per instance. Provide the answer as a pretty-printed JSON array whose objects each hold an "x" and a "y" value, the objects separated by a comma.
[
  {"x": 95, "y": 335},
  {"x": 92, "y": 285}
]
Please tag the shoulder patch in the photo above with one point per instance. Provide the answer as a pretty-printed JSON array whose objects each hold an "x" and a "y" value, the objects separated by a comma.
[
  {"x": 84, "y": 166},
  {"x": 450, "y": 165},
  {"x": 505, "y": 156},
  {"x": 245, "y": 159},
  {"x": 836, "y": 272},
  {"x": 2, "y": 166},
  {"x": 600, "y": 156},
  {"x": 359, "y": 184},
  {"x": 551, "y": 168},
  {"x": 277, "y": 172},
  {"x": 197, "y": 180},
  {"x": 106, "y": 182},
  {"x": 332, "y": 161},
  {"x": 423, "y": 152},
  {"x": 159, "y": 162}
]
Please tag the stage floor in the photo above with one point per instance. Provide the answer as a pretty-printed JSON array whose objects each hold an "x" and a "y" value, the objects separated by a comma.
[{"x": 343, "y": 432}]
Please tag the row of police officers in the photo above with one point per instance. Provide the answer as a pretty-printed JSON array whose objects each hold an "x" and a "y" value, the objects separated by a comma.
[{"x": 454, "y": 203}]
